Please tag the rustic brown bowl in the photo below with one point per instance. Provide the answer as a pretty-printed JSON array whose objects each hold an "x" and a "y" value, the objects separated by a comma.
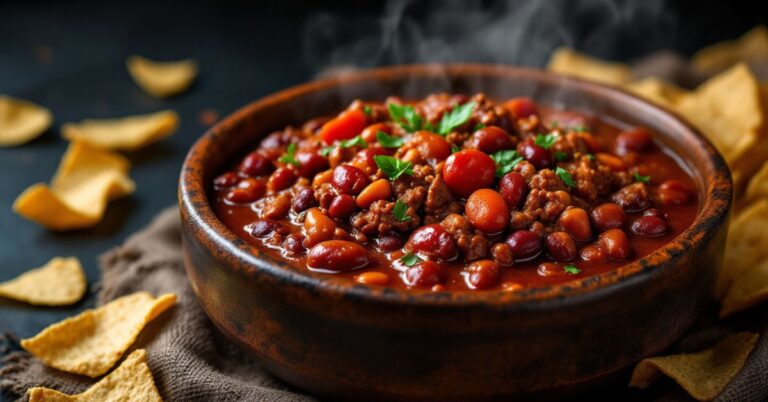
[{"x": 344, "y": 340}]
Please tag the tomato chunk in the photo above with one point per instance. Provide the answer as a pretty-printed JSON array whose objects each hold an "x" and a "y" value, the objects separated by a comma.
[{"x": 343, "y": 127}]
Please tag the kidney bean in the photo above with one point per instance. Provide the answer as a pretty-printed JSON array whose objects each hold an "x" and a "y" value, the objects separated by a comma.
[
  {"x": 364, "y": 161},
  {"x": 655, "y": 212},
  {"x": 434, "y": 242},
  {"x": 255, "y": 164},
  {"x": 487, "y": 210},
  {"x": 226, "y": 180},
  {"x": 317, "y": 227},
  {"x": 525, "y": 244},
  {"x": 303, "y": 200},
  {"x": 242, "y": 196},
  {"x": 483, "y": 274},
  {"x": 292, "y": 245},
  {"x": 649, "y": 226},
  {"x": 281, "y": 179},
  {"x": 513, "y": 188},
  {"x": 539, "y": 157},
  {"x": 561, "y": 246},
  {"x": 373, "y": 278},
  {"x": 342, "y": 206},
  {"x": 369, "y": 133},
  {"x": 337, "y": 256},
  {"x": 491, "y": 139},
  {"x": 263, "y": 227},
  {"x": 593, "y": 254},
  {"x": 424, "y": 274},
  {"x": 469, "y": 170},
  {"x": 550, "y": 269},
  {"x": 311, "y": 163},
  {"x": 576, "y": 222},
  {"x": 674, "y": 192},
  {"x": 608, "y": 216},
  {"x": 277, "y": 208},
  {"x": 612, "y": 161},
  {"x": 346, "y": 125},
  {"x": 389, "y": 243},
  {"x": 521, "y": 107},
  {"x": 349, "y": 179},
  {"x": 637, "y": 139},
  {"x": 615, "y": 244},
  {"x": 378, "y": 190}
]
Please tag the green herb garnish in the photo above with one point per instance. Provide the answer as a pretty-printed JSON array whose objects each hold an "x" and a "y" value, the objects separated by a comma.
[
  {"x": 290, "y": 155},
  {"x": 400, "y": 211},
  {"x": 478, "y": 126},
  {"x": 505, "y": 161},
  {"x": 590, "y": 157},
  {"x": 455, "y": 118},
  {"x": 560, "y": 156},
  {"x": 389, "y": 141},
  {"x": 571, "y": 269},
  {"x": 545, "y": 140},
  {"x": 357, "y": 141},
  {"x": 367, "y": 110},
  {"x": 327, "y": 150},
  {"x": 642, "y": 179},
  {"x": 455, "y": 148},
  {"x": 406, "y": 116},
  {"x": 393, "y": 167},
  {"x": 410, "y": 259},
  {"x": 565, "y": 177}
]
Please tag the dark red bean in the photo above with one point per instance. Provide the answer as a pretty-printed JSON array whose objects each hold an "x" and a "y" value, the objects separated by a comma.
[
  {"x": 303, "y": 200},
  {"x": 525, "y": 244},
  {"x": 649, "y": 226},
  {"x": 226, "y": 180},
  {"x": 389, "y": 243},
  {"x": 560, "y": 246},
  {"x": 281, "y": 179},
  {"x": 513, "y": 188},
  {"x": 434, "y": 242},
  {"x": 342, "y": 206},
  {"x": 337, "y": 256},
  {"x": 491, "y": 139},
  {"x": 255, "y": 164},
  {"x": 607, "y": 216},
  {"x": 311, "y": 163},
  {"x": 263, "y": 227},
  {"x": 593, "y": 254},
  {"x": 655, "y": 212},
  {"x": 540, "y": 158},
  {"x": 424, "y": 274},
  {"x": 293, "y": 244},
  {"x": 349, "y": 179},
  {"x": 483, "y": 274},
  {"x": 674, "y": 192},
  {"x": 615, "y": 244},
  {"x": 635, "y": 140}
]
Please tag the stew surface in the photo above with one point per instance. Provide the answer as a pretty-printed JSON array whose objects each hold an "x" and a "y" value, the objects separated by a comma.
[{"x": 457, "y": 193}]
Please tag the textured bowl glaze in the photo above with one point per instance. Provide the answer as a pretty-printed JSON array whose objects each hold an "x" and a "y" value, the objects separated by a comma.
[{"x": 345, "y": 340}]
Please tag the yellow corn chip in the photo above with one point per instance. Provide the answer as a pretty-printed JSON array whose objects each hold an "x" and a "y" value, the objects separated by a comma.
[
  {"x": 130, "y": 382},
  {"x": 162, "y": 79},
  {"x": 58, "y": 283},
  {"x": 91, "y": 342},
  {"x": 749, "y": 289},
  {"x": 127, "y": 133},
  {"x": 747, "y": 244},
  {"x": 568, "y": 61},
  {"x": 656, "y": 90},
  {"x": 21, "y": 121},
  {"x": 703, "y": 375},
  {"x": 86, "y": 179},
  {"x": 758, "y": 185},
  {"x": 753, "y": 45}
]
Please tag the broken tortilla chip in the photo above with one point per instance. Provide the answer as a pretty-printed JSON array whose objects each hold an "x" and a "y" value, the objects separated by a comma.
[
  {"x": 21, "y": 121},
  {"x": 162, "y": 79},
  {"x": 656, "y": 90},
  {"x": 747, "y": 244},
  {"x": 130, "y": 382},
  {"x": 751, "y": 46},
  {"x": 570, "y": 62},
  {"x": 91, "y": 342},
  {"x": 749, "y": 289},
  {"x": 126, "y": 133},
  {"x": 703, "y": 375},
  {"x": 86, "y": 179},
  {"x": 60, "y": 282},
  {"x": 758, "y": 185}
]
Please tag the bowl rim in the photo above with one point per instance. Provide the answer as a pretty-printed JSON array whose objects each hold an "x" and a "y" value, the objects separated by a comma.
[{"x": 246, "y": 259}]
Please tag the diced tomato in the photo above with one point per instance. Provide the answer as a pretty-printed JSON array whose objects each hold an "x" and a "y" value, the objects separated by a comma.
[{"x": 343, "y": 127}]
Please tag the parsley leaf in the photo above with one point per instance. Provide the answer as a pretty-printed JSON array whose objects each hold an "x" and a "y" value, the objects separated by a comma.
[
  {"x": 429, "y": 127},
  {"x": 393, "y": 167},
  {"x": 406, "y": 116},
  {"x": 478, "y": 126},
  {"x": 290, "y": 155},
  {"x": 367, "y": 110},
  {"x": 571, "y": 269},
  {"x": 560, "y": 156},
  {"x": 455, "y": 148},
  {"x": 565, "y": 177},
  {"x": 545, "y": 140},
  {"x": 410, "y": 259},
  {"x": 357, "y": 141},
  {"x": 642, "y": 179},
  {"x": 389, "y": 141},
  {"x": 400, "y": 211},
  {"x": 327, "y": 150},
  {"x": 505, "y": 161},
  {"x": 591, "y": 157},
  {"x": 456, "y": 117}
]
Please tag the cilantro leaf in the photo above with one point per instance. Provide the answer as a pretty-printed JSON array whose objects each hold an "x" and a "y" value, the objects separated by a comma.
[
  {"x": 367, "y": 110},
  {"x": 642, "y": 179},
  {"x": 571, "y": 269},
  {"x": 389, "y": 141},
  {"x": 393, "y": 167},
  {"x": 505, "y": 161},
  {"x": 545, "y": 140},
  {"x": 357, "y": 141},
  {"x": 456, "y": 117},
  {"x": 290, "y": 155},
  {"x": 561, "y": 156},
  {"x": 406, "y": 116},
  {"x": 327, "y": 150},
  {"x": 565, "y": 177},
  {"x": 410, "y": 259},
  {"x": 400, "y": 211}
]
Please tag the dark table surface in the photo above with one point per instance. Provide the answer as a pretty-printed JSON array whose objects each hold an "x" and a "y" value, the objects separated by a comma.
[{"x": 69, "y": 57}]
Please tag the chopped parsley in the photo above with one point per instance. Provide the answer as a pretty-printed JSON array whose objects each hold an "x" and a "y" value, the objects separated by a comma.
[
  {"x": 357, "y": 141},
  {"x": 642, "y": 179},
  {"x": 389, "y": 141},
  {"x": 571, "y": 269},
  {"x": 478, "y": 126},
  {"x": 505, "y": 161},
  {"x": 367, "y": 110},
  {"x": 590, "y": 157},
  {"x": 393, "y": 167},
  {"x": 545, "y": 140},
  {"x": 561, "y": 156},
  {"x": 290, "y": 155},
  {"x": 327, "y": 150},
  {"x": 400, "y": 211},
  {"x": 410, "y": 259},
  {"x": 455, "y": 118},
  {"x": 565, "y": 177},
  {"x": 406, "y": 116}
]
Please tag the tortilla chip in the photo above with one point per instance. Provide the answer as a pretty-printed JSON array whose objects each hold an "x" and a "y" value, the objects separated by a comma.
[
  {"x": 60, "y": 282},
  {"x": 162, "y": 79},
  {"x": 130, "y": 382},
  {"x": 747, "y": 244},
  {"x": 758, "y": 185},
  {"x": 570, "y": 62},
  {"x": 86, "y": 179},
  {"x": 751, "y": 46},
  {"x": 21, "y": 121},
  {"x": 91, "y": 342},
  {"x": 749, "y": 289},
  {"x": 703, "y": 375},
  {"x": 656, "y": 90},
  {"x": 126, "y": 133}
]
